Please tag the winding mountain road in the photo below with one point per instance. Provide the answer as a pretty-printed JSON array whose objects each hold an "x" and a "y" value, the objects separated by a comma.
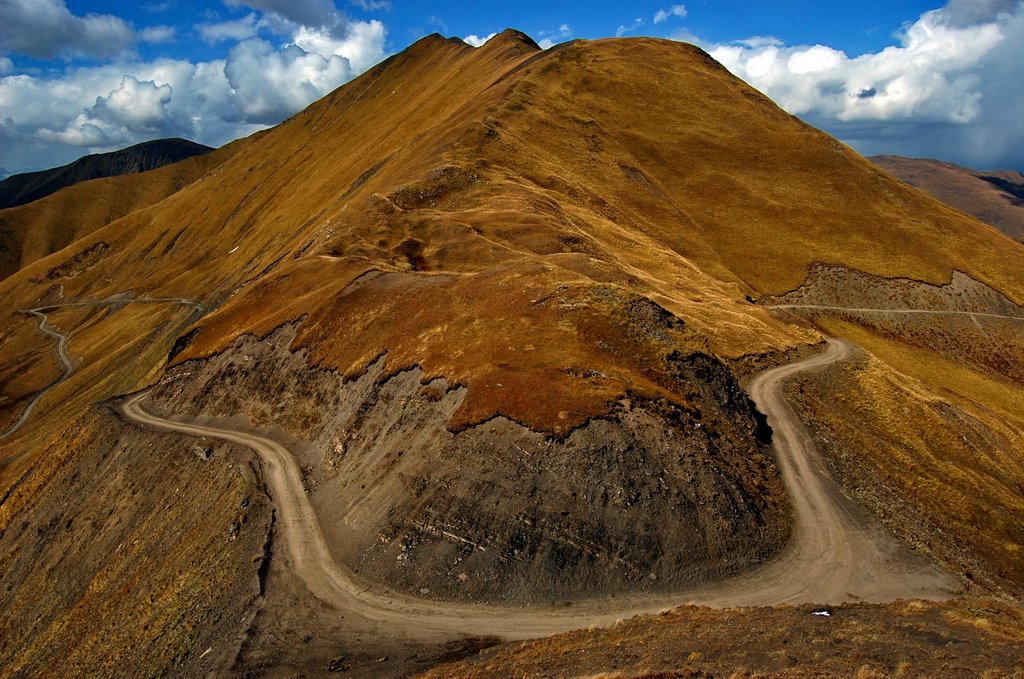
[
  {"x": 62, "y": 354},
  {"x": 62, "y": 344},
  {"x": 837, "y": 552}
]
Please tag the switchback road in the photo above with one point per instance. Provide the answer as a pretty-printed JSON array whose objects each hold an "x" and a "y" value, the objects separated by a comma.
[{"x": 837, "y": 552}]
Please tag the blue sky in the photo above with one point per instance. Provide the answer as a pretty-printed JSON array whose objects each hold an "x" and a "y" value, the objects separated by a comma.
[{"x": 914, "y": 77}]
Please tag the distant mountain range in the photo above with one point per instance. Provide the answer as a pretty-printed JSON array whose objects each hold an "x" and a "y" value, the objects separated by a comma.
[
  {"x": 19, "y": 189},
  {"x": 35, "y": 229},
  {"x": 996, "y": 198}
]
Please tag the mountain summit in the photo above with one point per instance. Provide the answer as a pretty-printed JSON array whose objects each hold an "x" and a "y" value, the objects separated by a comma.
[{"x": 481, "y": 325}]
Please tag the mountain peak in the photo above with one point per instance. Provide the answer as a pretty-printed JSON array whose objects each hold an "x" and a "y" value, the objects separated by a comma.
[{"x": 513, "y": 36}]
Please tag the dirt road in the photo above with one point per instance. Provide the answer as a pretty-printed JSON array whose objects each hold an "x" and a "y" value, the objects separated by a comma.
[
  {"x": 62, "y": 354},
  {"x": 909, "y": 312},
  {"x": 62, "y": 343},
  {"x": 836, "y": 553}
]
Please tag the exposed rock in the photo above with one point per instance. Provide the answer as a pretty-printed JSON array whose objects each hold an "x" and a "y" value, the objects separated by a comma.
[{"x": 652, "y": 497}]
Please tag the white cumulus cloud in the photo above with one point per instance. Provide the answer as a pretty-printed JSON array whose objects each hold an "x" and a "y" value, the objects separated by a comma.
[
  {"x": 316, "y": 13},
  {"x": 268, "y": 85},
  {"x": 549, "y": 39},
  {"x": 234, "y": 30},
  {"x": 47, "y": 120},
  {"x": 362, "y": 44},
  {"x": 140, "y": 106},
  {"x": 476, "y": 40},
  {"x": 157, "y": 34},
  {"x": 624, "y": 28},
  {"x": 943, "y": 90}
]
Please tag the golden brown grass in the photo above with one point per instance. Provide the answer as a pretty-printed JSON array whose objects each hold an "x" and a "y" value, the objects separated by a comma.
[
  {"x": 37, "y": 229},
  {"x": 526, "y": 173},
  {"x": 927, "y": 639},
  {"x": 494, "y": 215},
  {"x": 142, "y": 577},
  {"x": 944, "y": 442}
]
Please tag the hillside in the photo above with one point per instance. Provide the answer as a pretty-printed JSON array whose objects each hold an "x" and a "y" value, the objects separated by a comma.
[
  {"x": 996, "y": 198},
  {"x": 471, "y": 347},
  {"x": 45, "y": 225},
  {"x": 26, "y": 187}
]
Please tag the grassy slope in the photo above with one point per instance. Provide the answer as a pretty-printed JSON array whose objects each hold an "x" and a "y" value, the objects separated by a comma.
[
  {"x": 902, "y": 639},
  {"x": 32, "y": 231},
  {"x": 517, "y": 172},
  {"x": 931, "y": 446},
  {"x": 963, "y": 189}
]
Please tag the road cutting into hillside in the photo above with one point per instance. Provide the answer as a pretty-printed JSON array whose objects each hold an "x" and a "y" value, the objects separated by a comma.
[
  {"x": 62, "y": 343},
  {"x": 837, "y": 551},
  {"x": 869, "y": 310}
]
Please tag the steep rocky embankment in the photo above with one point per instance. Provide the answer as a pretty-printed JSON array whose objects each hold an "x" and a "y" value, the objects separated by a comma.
[{"x": 651, "y": 497}]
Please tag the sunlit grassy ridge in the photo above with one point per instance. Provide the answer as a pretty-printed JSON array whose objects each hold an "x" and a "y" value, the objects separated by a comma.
[
  {"x": 37, "y": 229},
  {"x": 638, "y": 166}
]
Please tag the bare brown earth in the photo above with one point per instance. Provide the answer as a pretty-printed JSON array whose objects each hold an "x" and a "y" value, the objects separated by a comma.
[
  {"x": 996, "y": 198},
  {"x": 835, "y": 555},
  {"x": 539, "y": 238},
  {"x": 651, "y": 497}
]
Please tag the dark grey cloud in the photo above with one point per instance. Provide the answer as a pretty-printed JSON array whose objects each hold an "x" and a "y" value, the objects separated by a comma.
[
  {"x": 963, "y": 13},
  {"x": 46, "y": 28},
  {"x": 310, "y": 13}
]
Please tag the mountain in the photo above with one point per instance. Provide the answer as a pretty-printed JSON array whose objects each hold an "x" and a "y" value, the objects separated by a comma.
[
  {"x": 24, "y": 188},
  {"x": 996, "y": 198},
  {"x": 498, "y": 342},
  {"x": 31, "y": 231},
  {"x": 4, "y": 174}
]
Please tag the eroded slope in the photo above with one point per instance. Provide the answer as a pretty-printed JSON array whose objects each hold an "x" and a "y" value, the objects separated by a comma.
[{"x": 652, "y": 496}]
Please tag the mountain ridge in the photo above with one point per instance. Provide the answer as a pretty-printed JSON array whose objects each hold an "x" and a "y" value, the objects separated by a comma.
[
  {"x": 994, "y": 197},
  {"x": 19, "y": 189},
  {"x": 31, "y": 231}
]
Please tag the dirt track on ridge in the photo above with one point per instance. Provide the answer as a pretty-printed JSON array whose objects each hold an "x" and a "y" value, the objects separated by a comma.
[
  {"x": 836, "y": 554},
  {"x": 61, "y": 348}
]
